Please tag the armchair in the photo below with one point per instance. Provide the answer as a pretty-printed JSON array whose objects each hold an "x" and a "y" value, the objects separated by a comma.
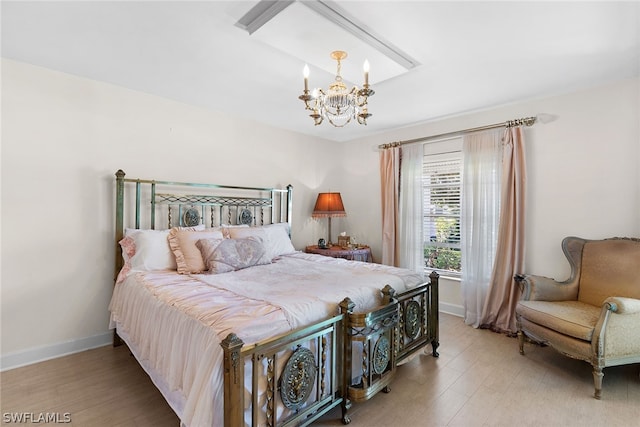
[{"x": 595, "y": 314}]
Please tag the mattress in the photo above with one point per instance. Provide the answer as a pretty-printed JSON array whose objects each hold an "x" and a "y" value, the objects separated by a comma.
[{"x": 174, "y": 323}]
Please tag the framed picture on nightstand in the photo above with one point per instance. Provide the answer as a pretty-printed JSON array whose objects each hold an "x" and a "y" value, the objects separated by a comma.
[{"x": 344, "y": 241}]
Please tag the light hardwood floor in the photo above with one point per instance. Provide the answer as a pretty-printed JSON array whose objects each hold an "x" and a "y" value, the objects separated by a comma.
[{"x": 479, "y": 379}]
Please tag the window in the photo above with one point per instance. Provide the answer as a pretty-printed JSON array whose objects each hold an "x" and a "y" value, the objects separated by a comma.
[{"x": 441, "y": 184}]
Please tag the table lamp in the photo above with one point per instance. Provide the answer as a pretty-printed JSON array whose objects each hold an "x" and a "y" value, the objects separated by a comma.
[{"x": 328, "y": 205}]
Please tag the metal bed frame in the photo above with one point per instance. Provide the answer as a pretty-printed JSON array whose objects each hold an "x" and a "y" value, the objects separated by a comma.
[{"x": 308, "y": 371}]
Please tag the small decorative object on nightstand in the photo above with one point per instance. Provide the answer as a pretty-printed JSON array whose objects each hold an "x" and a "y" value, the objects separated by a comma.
[
  {"x": 344, "y": 242},
  {"x": 360, "y": 253}
]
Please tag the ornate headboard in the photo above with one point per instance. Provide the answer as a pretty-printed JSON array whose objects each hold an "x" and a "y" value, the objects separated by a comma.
[{"x": 166, "y": 204}]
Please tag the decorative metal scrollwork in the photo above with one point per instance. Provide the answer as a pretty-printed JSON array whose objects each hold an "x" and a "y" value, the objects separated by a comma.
[
  {"x": 381, "y": 355},
  {"x": 298, "y": 378},
  {"x": 412, "y": 319},
  {"x": 245, "y": 217},
  {"x": 191, "y": 217}
]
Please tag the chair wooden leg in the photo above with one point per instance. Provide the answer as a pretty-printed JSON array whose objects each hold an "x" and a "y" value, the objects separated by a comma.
[
  {"x": 520, "y": 334},
  {"x": 521, "y": 341},
  {"x": 597, "y": 381}
]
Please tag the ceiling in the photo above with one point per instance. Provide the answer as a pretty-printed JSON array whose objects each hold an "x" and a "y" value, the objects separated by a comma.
[{"x": 466, "y": 56}]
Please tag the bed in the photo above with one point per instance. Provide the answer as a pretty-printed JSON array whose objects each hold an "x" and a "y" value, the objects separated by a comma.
[{"x": 235, "y": 327}]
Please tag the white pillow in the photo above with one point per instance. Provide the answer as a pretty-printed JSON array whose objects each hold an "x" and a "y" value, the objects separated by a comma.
[
  {"x": 279, "y": 240},
  {"x": 151, "y": 250},
  {"x": 275, "y": 237}
]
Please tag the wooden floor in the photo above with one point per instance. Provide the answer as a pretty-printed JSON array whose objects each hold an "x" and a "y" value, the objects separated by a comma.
[{"x": 479, "y": 379}]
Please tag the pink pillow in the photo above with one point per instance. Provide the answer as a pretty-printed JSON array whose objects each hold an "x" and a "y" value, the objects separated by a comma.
[{"x": 183, "y": 244}]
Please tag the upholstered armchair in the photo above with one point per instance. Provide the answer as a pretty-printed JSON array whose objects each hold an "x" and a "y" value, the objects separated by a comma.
[{"x": 595, "y": 314}]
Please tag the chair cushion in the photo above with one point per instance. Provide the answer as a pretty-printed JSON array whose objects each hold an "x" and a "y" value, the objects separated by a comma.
[{"x": 572, "y": 318}]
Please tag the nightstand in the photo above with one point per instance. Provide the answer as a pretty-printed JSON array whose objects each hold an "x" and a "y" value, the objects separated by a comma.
[{"x": 361, "y": 253}]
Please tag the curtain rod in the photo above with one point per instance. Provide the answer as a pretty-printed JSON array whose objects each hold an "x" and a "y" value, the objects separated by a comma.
[{"x": 525, "y": 121}]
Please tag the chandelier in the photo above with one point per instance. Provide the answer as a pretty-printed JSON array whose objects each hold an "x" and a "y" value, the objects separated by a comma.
[{"x": 338, "y": 105}]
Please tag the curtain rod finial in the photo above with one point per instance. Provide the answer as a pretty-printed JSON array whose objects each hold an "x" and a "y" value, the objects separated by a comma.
[{"x": 524, "y": 121}]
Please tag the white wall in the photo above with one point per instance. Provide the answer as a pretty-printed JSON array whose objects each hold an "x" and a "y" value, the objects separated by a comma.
[
  {"x": 63, "y": 138},
  {"x": 583, "y": 177}
]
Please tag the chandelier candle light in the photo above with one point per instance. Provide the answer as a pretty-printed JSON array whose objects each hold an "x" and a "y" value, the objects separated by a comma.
[{"x": 338, "y": 105}]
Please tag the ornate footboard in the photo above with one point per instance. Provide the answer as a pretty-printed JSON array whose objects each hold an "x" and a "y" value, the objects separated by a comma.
[
  {"x": 418, "y": 318},
  {"x": 299, "y": 376},
  {"x": 387, "y": 336},
  {"x": 294, "y": 377},
  {"x": 372, "y": 339}
]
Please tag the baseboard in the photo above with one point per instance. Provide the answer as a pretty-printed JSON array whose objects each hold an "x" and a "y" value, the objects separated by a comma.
[
  {"x": 453, "y": 309},
  {"x": 40, "y": 354}
]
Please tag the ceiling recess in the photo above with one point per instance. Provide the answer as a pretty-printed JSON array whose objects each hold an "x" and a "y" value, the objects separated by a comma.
[{"x": 310, "y": 30}]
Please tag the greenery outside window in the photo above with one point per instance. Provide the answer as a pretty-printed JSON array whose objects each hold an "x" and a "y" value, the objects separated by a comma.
[{"x": 441, "y": 183}]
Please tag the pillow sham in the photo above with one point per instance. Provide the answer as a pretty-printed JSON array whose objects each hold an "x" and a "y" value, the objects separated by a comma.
[
  {"x": 279, "y": 240},
  {"x": 147, "y": 250},
  {"x": 187, "y": 255},
  {"x": 275, "y": 237},
  {"x": 226, "y": 229},
  {"x": 225, "y": 255}
]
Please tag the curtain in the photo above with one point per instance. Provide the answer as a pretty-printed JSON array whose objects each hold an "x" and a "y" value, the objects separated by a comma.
[
  {"x": 410, "y": 238},
  {"x": 480, "y": 210},
  {"x": 389, "y": 184},
  {"x": 502, "y": 297}
]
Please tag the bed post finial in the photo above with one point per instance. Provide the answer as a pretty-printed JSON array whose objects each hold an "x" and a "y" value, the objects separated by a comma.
[{"x": 388, "y": 294}]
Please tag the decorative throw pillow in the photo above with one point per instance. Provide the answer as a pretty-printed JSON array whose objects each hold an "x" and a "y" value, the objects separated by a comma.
[
  {"x": 224, "y": 255},
  {"x": 183, "y": 244}
]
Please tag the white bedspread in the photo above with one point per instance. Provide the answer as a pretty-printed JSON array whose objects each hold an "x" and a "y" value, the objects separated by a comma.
[
  {"x": 309, "y": 287},
  {"x": 174, "y": 323}
]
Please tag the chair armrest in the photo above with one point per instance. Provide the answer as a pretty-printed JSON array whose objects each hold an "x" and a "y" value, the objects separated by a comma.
[
  {"x": 540, "y": 288},
  {"x": 618, "y": 321},
  {"x": 622, "y": 305}
]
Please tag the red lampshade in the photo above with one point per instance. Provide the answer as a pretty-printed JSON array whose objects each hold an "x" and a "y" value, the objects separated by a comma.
[{"x": 328, "y": 205}]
